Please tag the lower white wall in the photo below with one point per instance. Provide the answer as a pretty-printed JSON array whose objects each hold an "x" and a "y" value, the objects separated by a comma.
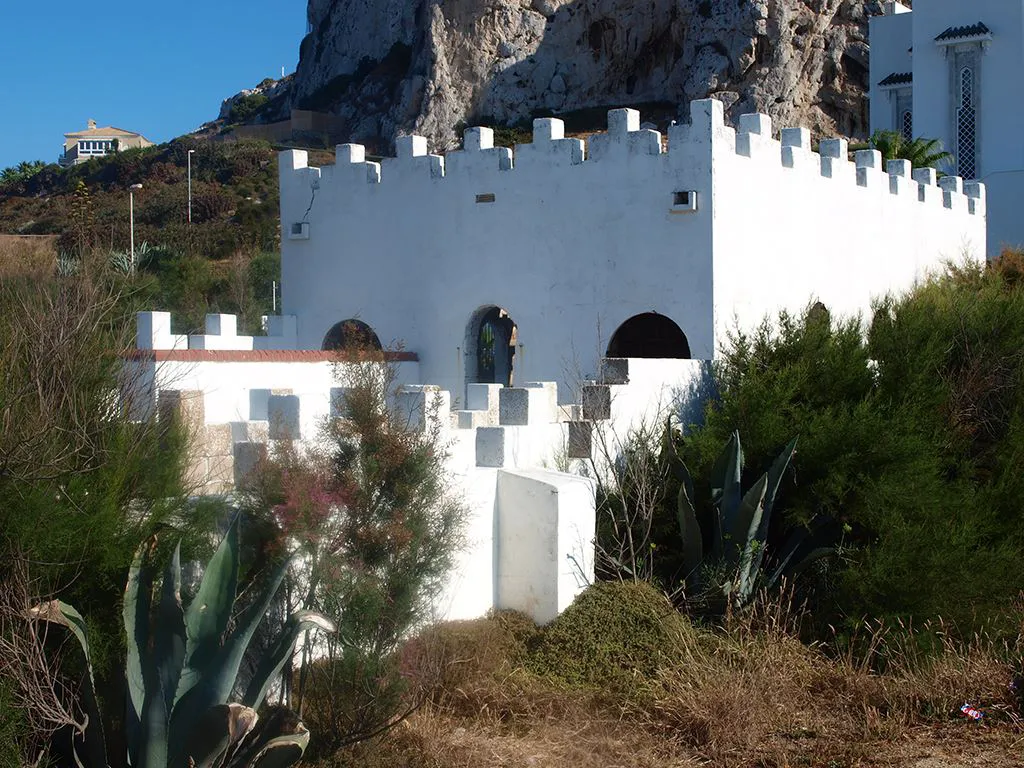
[
  {"x": 545, "y": 534},
  {"x": 528, "y": 539}
]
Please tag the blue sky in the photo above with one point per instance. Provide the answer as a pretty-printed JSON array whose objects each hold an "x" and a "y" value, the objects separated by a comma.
[{"x": 158, "y": 68}]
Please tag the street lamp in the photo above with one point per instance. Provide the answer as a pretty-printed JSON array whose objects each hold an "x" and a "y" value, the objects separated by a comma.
[
  {"x": 131, "y": 219},
  {"x": 190, "y": 153}
]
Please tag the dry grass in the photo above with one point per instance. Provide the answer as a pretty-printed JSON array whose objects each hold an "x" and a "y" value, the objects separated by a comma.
[
  {"x": 27, "y": 255},
  {"x": 750, "y": 694}
]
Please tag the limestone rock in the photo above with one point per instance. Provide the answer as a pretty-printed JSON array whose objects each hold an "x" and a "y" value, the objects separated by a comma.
[{"x": 393, "y": 66}]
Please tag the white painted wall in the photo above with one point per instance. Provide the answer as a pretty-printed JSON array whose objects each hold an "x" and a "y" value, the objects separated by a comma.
[
  {"x": 850, "y": 236},
  {"x": 237, "y": 392},
  {"x": 891, "y": 37},
  {"x": 573, "y": 248}
]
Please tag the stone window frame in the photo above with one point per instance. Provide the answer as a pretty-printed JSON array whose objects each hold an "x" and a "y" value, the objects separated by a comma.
[{"x": 965, "y": 56}]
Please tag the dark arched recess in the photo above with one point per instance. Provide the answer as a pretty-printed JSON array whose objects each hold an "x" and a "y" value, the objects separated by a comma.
[
  {"x": 649, "y": 335},
  {"x": 351, "y": 334}
]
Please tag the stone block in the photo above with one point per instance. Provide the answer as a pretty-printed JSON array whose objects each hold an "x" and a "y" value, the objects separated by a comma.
[
  {"x": 581, "y": 439},
  {"x": 520, "y": 406},
  {"x": 195, "y": 474},
  {"x": 153, "y": 331},
  {"x": 217, "y": 440},
  {"x": 471, "y": 419},
  {"x": 597, "y": 402},
  {"x": 248, "y": 458},
  {"x": 221, "y": 325},
  {"x": 550, "y": 389},
  {"x": 615, "y": 370},
  {"x": 423, "y": 407},
  {"x": 220, "y": 474},
  {"x": 250, "y": 431},
  {"x": 570, "y": 412},
  {"x": 484, "y": 397},
  {"x": 186, "y": 406},
  {"x": 283, "y": 417},
  {"x": 514, "y": 406},
  {"x": 339, "y": 402},
  {"x": 491, "y": 443}
]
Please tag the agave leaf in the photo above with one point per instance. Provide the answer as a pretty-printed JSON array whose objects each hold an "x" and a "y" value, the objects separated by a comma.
[
  {"x": 819, "y": 535},
  {"x": 222, "y": 674},
  {"x": 731, "y": 492},
  {"x": 750, "y": 515},
  {"x": 719, "y": 470},
  {"x": 170, "y": 641},
  {"x": 216, "y": 732},
  {"x": 809, "y": 559},
  {"x": 775, "y": 474},
  {"x": 689, "y": 530},
  {"x": 138, "y": 595},
  {"x": 275, "y": 658},
  {"x": 746, "y": 521},
  {"x": 238, "y": 643},
  {"x": 282, "y": 751},
  {"x": 60, "y": 613},
  {"x": 163, "y": 669},
  {"x": 208, "y": 614}
]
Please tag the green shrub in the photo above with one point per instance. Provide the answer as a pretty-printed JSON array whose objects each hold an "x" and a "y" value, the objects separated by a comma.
[
  {"x": 11, "y": 729},
  {"x": 614, "y": 635},
  {"x": 247, "y": 107},
  {"x": 913, "y": 438}
]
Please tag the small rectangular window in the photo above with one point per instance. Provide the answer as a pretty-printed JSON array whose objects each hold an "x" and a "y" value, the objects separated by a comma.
[
  {"x": 488, "y": 198},
  {"x": 684, "y": 201}
]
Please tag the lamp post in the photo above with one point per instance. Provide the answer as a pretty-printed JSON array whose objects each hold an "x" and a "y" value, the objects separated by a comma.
[
  {"x": 131, "y": 220},
  {"x": 190, "y": 153}
]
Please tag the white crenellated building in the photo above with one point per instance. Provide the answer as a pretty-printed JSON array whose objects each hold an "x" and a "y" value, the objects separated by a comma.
[
  {"x": 952, "y": 70},
  {"x": 547, "y": 298},
  {"x": 620, "y": 248}
]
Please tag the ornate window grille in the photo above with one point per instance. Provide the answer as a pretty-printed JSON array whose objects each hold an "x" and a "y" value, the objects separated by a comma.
[
  {"x": 907, "y": 125},
  {"x": 966, "y": 127}
]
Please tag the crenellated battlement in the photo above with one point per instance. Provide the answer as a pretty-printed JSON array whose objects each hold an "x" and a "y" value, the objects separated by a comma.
[{"x": 752, "y": 143}]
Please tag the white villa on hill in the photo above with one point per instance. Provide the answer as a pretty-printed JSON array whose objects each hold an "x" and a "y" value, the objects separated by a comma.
[{"x": 81, "y": 146}]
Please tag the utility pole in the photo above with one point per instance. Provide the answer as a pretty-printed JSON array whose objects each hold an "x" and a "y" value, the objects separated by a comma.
[
  {"x": 190, "y": 153},
  {"x": 131, "y": 222}
]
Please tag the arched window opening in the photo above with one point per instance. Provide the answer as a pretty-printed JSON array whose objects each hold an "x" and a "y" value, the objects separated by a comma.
[
  {"x": 649, "y": 335},
  {"x": 966, "y": 126},
  {"x": 491, "y": 343},
  {"x": 907, "y": 125},
  {"x": 352, "y": 335}
]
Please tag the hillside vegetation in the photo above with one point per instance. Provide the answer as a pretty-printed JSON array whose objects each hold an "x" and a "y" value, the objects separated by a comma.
[{"x": 225, "y": 261}]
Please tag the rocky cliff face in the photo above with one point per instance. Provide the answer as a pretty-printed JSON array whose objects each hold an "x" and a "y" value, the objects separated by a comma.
[{"x": 430, "y": 66}]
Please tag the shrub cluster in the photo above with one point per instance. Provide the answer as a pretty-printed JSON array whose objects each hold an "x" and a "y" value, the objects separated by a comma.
[{"x": 911, "y": 436}]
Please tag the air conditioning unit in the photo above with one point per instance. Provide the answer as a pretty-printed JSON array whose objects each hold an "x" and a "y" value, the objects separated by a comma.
[{"x": 299, "y": 231}]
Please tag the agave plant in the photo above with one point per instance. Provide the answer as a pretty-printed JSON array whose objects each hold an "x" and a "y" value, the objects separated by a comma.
[
  {"x": 183, "y": 667},
  {"x": 739, "y": 529}
]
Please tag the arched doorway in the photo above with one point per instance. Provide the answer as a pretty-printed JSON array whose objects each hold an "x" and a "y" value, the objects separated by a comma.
[
  {"x": 649, "y": 335},
  {"x": 351, "y": 334},
  {"x": 491, "y": 340}
]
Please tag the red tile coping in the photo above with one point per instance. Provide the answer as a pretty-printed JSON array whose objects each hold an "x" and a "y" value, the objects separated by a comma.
[{"x": 263, "y": 356}]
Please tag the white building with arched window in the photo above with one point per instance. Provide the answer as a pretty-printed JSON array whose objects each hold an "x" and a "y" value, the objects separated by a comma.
[
  {"x": 547, "y": 299},
  {"x": 954, "y": 71}
]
